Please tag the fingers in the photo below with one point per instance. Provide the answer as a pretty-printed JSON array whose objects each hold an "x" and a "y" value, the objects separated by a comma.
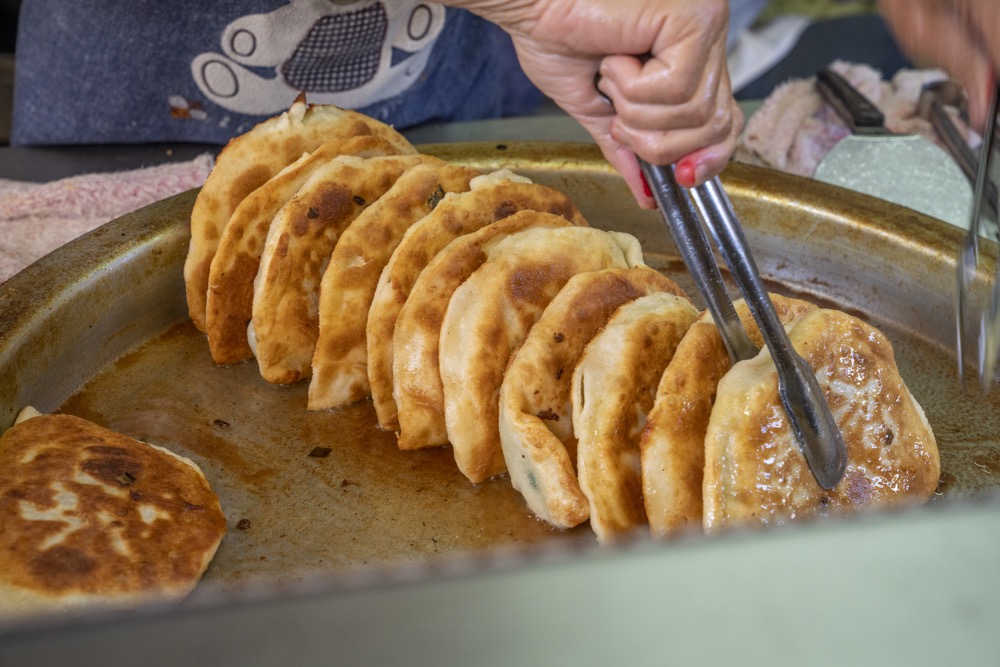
[
  {"x": 664, "y": 124},
  {"x": 677, "y": 104},
  {"x": 949, "y": 35},
  {"x": 621, "y": 158},
  {"x": 665, "y": 112}
]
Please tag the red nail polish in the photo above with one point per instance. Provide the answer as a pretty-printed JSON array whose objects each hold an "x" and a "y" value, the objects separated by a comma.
[
  {"x": 685, "y": 173},
  {"x": 646, "y": 190}
]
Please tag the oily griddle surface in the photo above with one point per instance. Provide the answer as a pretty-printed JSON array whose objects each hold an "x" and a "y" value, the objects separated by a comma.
[
  {"x": 292, "y": 510},
  {"x": 99, "y": 330}
]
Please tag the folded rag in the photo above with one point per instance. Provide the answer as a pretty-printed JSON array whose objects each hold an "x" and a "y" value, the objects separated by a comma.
[
  {"x": 794, "y": 128},
  {"x": 37, "y": 218}
]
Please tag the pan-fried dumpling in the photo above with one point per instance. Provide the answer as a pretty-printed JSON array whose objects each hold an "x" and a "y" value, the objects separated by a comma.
[
  {"x": 340, "y": 363},
  {"x": 416, "y": 377},
  {"x": 673, "y": 442},
  {"x": 296, "y": 254},
  {"x": 247, "y": 162},
  {"x": 492, "y": 197},
  {"x": 614, "y": 386},
  {"x": 536, "y": 411},
  {"x": 93, "y": 517},
  {"x": 489, "y": 316},
  {"x": 755, "y": 473},
  {"x": 237, "y": 260}
]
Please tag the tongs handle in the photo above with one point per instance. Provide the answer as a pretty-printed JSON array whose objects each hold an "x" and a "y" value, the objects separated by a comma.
[
  {"x": 985, "y": 332},
  {"x": 689, "y": 237},
  {"x": 934, "y": 97},
  {"x": 805, "y": 405},
  {"x": 860, "y": 114}
]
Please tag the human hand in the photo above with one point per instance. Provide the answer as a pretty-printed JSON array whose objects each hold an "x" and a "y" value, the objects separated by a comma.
[
  {"x": 957, "y": 35},
  {"x": 675, "y": 107}
]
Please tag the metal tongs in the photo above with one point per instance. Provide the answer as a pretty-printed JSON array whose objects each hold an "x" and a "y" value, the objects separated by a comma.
[
  {"x": 978, "y": 304},
  {"x": 803, "y": 400}
]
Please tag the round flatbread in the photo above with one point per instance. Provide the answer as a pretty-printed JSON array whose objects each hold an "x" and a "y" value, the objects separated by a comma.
[
  {"x": 755, "y": 473},
  {"x": 536, "y": 411},
  {"x": 250, "y": 160},
  {"x": 340, "y": 362},
  {"x": 416, "y": 378},
  {"x": 297, "y": 251},
  {"x": 237, "y": 259},
  {"x": 490, "y": 198},
  {"x": 673, "y": 441},
  {"x": 614, "y": 386},
  {"x": 489, "y": 316},
  {"x": 92, "y": 517}
]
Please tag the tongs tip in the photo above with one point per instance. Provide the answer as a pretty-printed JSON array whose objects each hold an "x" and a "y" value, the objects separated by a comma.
[
  {"x": 805, "y": 405},
  {"x": 977, "y": 316}
]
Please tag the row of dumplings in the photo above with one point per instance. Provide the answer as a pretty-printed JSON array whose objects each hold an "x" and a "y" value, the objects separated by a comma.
[{"x": 483, "y": 311}]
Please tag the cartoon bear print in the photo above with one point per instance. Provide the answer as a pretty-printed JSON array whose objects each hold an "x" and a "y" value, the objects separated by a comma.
[{"x": 350, "y": 53}]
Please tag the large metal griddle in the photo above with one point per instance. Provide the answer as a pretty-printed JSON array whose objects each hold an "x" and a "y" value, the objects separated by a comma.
[{"x": 99, "y": 329}]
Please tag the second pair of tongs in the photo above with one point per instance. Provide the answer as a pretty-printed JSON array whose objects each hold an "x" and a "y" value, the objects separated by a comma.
[
  {"x": 807, "y": 410},
  {"x": 978, "y": 304}
]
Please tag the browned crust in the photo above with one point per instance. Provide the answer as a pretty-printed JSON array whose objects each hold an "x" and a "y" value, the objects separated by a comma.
[
  {"x": 348, "y": 286},
  {"x": 112, "y": 477},
  {"x": 673, "y": 440},
  {"x": 246, "y": 163}
]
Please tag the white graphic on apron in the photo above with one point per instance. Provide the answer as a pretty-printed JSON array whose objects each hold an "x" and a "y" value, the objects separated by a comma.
[{"x": 348, "y": 53}]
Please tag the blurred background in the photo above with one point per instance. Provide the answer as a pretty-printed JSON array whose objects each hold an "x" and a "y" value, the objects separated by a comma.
[{"x": 847, "y": 29}]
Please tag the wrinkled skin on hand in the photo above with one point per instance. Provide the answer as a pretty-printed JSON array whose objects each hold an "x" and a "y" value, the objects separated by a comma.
[
  {"x": 675, "y": 107},
  {"x": 960, "y": 36}
]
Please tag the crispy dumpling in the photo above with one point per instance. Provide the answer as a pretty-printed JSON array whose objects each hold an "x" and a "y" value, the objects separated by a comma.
[
  {"x": 93, "y": 517},
  {"x": 536, "y": 411},
  {"x": 416, "y": 377},
  {"x": 492, "y": 197},
  {"x": 340, "y": 363},
  {"x": 299, "y": 244},
  {"x": 237, "y": 259},
  {"x": 614, "y": 386},
  {"x": 673, "y": 441},
  {"x": 755, "y": 473},
  {"x": 247, "y": 162},
  {"x": 489, "y": 316}
]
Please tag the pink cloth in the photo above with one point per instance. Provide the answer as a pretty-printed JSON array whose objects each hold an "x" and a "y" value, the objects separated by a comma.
[
  {"x": 794, "y": 128},
  {"x": 37, "y": 218}
]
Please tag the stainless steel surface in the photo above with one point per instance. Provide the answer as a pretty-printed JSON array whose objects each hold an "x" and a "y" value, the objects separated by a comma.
[
  {"x": 905, "y": 169},
  {"x": 346, "y": 554},
  {"x": 803, "y": 400},
  {"x": 978, "y": 321}
]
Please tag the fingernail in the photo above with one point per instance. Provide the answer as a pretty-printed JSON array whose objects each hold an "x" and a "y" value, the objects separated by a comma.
[
  {"x": 685, "y": 171},
  {"x": 646, "y": 190}
]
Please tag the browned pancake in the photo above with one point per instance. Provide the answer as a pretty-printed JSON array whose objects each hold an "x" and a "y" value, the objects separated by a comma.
[
  {"x": 755, "y": 473},
  {"x": 492, "y": 197},
  {"x": 536, "y": 411},
  {"x": 673, "y": 442},
  {"x": 416, "y": 379},
  {"x": 614, "y": 386},
  {"x": 237, "y": 259},
  {"x": 489, "y": 316},
  {"x": 90, "y": 516},
  {"x": 296, "y": 254},
  {"x": 250, "y": 160},
  {"x": 340, "y": 362}
]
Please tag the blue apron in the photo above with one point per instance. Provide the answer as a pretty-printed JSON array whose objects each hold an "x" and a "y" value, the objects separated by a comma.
[{"x": 102, "y": 71}]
